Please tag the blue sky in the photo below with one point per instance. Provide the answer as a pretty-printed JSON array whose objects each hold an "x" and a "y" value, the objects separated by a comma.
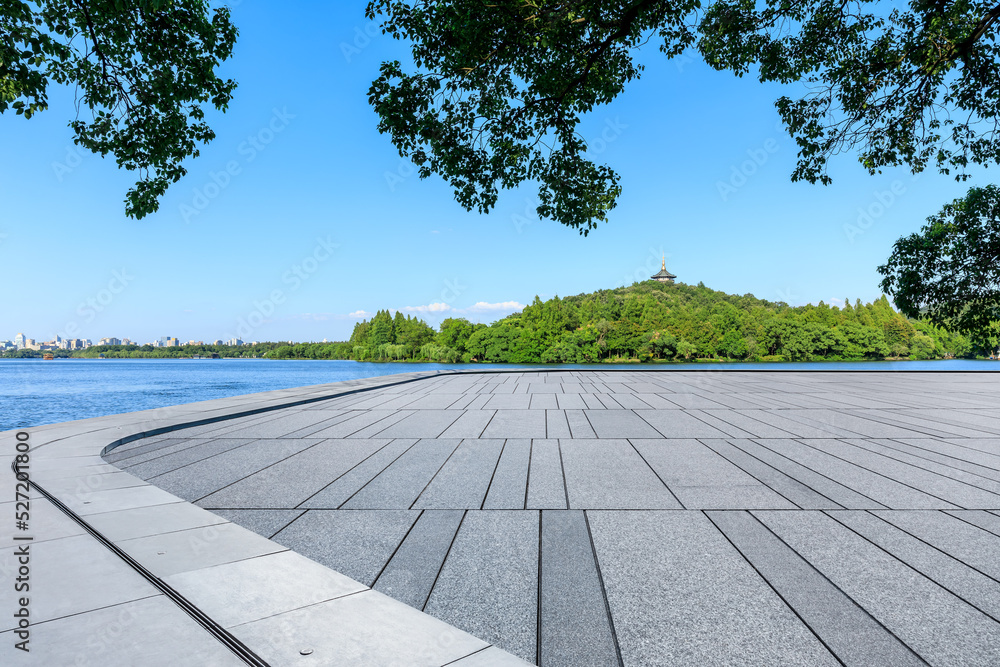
[{"x": 317, "y": 221}]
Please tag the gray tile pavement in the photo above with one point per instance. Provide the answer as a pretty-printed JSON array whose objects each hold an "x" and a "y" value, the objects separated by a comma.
[{"x": 571, "y": 517}]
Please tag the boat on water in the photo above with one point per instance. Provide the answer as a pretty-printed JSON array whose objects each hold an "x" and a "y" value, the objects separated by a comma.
[{"x": 48, "y": 356}]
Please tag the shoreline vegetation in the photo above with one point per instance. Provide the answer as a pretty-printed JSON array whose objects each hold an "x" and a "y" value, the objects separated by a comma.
[
  {"x": 645, "y": 322},
  {"x": 255, "y": 351}
]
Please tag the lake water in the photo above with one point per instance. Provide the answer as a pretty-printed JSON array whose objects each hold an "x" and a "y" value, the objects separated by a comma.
[{"x": 35, "y": 392}]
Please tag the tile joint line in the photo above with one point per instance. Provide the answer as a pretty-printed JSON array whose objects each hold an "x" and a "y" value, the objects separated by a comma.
[{"x": 238, "y": 648}]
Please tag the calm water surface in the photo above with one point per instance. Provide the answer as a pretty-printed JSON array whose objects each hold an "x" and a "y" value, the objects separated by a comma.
[{"x": 35, "y": 392}]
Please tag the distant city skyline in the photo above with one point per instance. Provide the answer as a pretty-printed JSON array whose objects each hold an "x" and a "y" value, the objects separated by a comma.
[
  {"x": 433, "y": 314},
  {"x": 22, "y": 342}
]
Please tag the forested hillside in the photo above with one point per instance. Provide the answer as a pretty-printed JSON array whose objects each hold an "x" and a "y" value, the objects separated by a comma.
[{"x": 653, "y": 321}]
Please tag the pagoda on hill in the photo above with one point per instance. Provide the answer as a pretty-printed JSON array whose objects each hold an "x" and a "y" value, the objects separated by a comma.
[{"x": 663, "y": 276}]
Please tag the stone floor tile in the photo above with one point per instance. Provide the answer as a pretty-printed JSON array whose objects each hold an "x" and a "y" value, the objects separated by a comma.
[
  {"x": 680, "y": 594},
  {"x": 575, "y": 627},
  {"x": 402, "y": 482},
  {"x": 414, "y": 567},
  {"x": 356, "y": 543},
  {"x": 610, "y": 474},
  {"x": 462, "y": 482},
  {"x": 889, "y": 590},
  {"x": 489, "y": 583}
]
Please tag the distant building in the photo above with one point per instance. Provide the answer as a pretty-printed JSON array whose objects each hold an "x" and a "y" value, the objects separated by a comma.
[
  {"x": 110, "y": 341},
  {"x": 20, "y": 342},
  {"x": 234, "y": 342},
  {"x": 169, "y": 341},
  {"x": 663, "y": 276},
  {"x": 218, "y": 342},
  {"x": 54, "y": 344}
]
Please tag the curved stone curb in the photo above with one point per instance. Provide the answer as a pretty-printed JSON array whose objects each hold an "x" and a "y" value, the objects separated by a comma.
[{"x": 88, "y": 606}]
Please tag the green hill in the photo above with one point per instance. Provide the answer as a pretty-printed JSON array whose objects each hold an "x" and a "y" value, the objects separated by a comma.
[{"x": 652, "y": 321}]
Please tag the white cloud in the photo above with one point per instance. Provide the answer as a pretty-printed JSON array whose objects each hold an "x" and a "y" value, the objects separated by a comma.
[
  {"x": 429, "y": 308},
  {"x": 310, "y": 317},
  {"x": 482, "y": 306},
  {"x": 325, "y": 317}
]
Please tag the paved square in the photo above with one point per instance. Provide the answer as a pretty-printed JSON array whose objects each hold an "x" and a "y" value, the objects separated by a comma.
[{"x": 640, "y": 517}]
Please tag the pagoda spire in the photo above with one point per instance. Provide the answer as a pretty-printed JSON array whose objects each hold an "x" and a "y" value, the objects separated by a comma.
[{"x": 663, "y": 276}]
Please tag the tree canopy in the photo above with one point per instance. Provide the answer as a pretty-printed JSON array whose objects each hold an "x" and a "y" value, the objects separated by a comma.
[
  {"x": 144, "y": 69},
  {"x": 498, "y": 89},
  {"x": 949, "y": 272}
]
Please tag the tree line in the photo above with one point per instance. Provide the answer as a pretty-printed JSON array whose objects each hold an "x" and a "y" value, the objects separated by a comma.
[
  {"x": 656, "y": 322},
  {"x": 255, "y": 350}
]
